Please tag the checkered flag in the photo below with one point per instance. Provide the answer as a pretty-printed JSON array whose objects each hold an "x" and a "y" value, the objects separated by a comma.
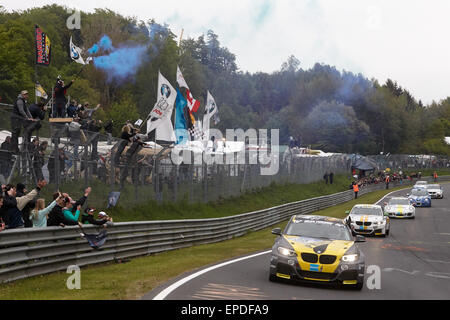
[{"x": 196, "y": 133}]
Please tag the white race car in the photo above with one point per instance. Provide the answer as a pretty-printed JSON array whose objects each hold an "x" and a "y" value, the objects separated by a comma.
[
  {"x": 399, "y": 207},
  {"x": 368, "y": 219},
  {"x": 420, "y": 183},
  {"x": 435, "y": 191}
]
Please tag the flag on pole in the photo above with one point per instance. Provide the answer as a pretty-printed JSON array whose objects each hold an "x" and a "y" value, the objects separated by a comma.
[
  {"x": 40, "y": 92},
  {"x": 211, "y": 111},
  {"x": 192, "y": 103},
  {"x": 180, "y": 121},
  {"x": 75, "y": 53},
  {"x": 43, "y": 47},
  {"x": 163, "y": 108},
  {"x": 180, "y": 79}
]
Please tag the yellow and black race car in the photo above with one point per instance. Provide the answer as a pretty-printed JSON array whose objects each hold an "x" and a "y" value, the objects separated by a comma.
[{"x": 317, "y": 249}]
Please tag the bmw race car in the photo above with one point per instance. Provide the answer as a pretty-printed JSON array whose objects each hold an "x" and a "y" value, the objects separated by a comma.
[
  {"x": 399, "y": 207},
  {"x": 420, "y": 184},
  {"x": 368, "y": 219},
  {"x": 317, "y": 249},
  {"x": 419, "y": 197},
  {"x": 435, "y": 191}
]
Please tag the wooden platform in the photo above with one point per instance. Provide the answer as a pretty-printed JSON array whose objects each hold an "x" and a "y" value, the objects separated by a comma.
[{"x": 60, "y": 120}]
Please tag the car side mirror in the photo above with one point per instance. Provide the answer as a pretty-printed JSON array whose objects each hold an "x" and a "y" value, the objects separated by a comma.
[
  {"x": 276, "y": 231},
  {"x": 360, "y": 238}
]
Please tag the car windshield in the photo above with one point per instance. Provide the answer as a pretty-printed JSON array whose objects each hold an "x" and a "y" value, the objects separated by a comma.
[
  {"x": 419, "y": 192},
  {"x": 433, "y": 186},
  {"x": 399, "y": 202},
  {"x": 367, "y": 211},
  {"x": 315, "y": 229}
]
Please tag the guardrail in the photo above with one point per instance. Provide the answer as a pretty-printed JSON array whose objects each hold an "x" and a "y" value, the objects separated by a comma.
[{"x": 30, "y": 252}]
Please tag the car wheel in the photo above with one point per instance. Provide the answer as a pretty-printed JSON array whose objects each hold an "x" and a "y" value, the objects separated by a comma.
[
  {"x": 273, "y": 278},
  {"x": 358, "y": 286}
]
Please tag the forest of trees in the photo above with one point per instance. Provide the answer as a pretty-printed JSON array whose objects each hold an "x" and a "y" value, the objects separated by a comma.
[{"x": 323, "y": 107}]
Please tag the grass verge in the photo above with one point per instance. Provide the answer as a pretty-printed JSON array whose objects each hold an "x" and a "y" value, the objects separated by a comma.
[{"x": 132, "y": 280}]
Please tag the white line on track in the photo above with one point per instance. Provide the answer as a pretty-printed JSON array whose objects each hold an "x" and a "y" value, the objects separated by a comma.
[{"x": 163, "y": 294}]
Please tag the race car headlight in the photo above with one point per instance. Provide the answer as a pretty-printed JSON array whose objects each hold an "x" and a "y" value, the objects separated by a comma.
[
  {"x": 350, "y": 258},
  {"x": 286, "y": 252}
]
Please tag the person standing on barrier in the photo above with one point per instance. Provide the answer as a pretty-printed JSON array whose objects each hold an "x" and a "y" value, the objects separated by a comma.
[
  {"x": 20, "y": 117},
  {"x": 60, "y": 100}
]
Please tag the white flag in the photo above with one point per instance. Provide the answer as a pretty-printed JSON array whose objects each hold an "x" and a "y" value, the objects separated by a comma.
[
  {"x": 75, "y": 53},
  {"x": 210, "y": 111},
  {"x": 180, "y": 79},
  {"x": 163, "y": 108}
]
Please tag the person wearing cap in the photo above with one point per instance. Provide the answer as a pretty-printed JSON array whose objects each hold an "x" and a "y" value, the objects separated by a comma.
[
  {"x": 88, "y": 217},
  {"x": 20, "y": 116}
]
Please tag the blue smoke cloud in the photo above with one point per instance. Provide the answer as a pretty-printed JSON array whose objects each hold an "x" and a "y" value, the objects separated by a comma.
[
  {"x": 119, "y": 63},
  {"x": 105, "y": 44}
]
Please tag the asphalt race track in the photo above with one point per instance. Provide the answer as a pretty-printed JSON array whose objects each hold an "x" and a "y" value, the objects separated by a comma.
[{"x": 413, "y": 263}]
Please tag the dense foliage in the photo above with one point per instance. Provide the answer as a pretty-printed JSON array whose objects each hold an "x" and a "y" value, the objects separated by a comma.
[{"x": 322, "y": 107}]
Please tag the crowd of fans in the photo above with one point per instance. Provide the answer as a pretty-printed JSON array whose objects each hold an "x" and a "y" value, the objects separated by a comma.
[
  {"x": 81, "y": 131},
  {"x": 22, "y": 209}
]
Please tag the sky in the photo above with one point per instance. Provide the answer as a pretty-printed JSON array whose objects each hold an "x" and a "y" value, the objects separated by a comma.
[{"x": 404, "y": 40}]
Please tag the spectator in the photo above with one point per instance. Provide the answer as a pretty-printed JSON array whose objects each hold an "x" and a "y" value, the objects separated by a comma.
[
  {"x": 2, "y": 213},
  {"x": 109, "y": 130},
  {"x": 72, "y": 109},
  {"x": 6, "y": 157},
  {"x": 387, "y": 180},
  {"x": 94, "y": 131},
  {"x": 20, "y": 117},
  {"x": 331, "y": 177},
  {"x": 71, "y": 218},
  {"x": 88, "y": 217},
  {"x": 13, "y": 205},
  {"x": 85, "y": 112},
  {"x": 39, "y": 214},
  {"x": 325, "y": 177},
  {"x": 56, "y": 216},
  {"x": 52, "y": 164},
  {"x": 75, "y": 135},
  {"x": 39, "y": 159},
  {"x": 38, "y": 111},
  {"x": 60, "y": 100},
  {"x": 20, "y": 192}
]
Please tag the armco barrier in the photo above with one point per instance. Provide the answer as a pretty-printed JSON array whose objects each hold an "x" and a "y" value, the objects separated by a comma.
[{"x": 29, "y": 252}]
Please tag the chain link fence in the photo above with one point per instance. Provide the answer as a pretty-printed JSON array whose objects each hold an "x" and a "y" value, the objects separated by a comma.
[{"x": 71, "y": 160}]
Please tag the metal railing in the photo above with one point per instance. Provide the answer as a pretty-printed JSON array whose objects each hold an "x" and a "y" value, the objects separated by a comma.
[{"x": 29, "y": 252}]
